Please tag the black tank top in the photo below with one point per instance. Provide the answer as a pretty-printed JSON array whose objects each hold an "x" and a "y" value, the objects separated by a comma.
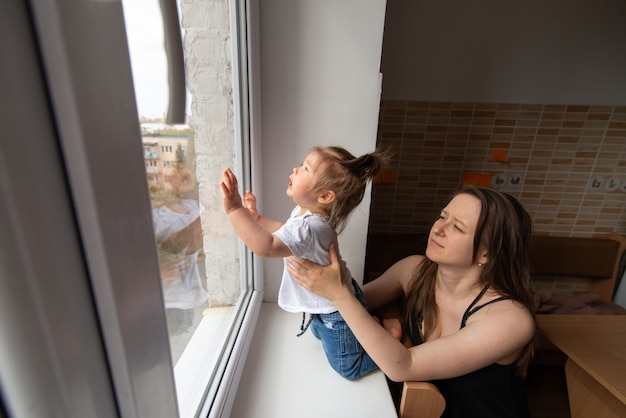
[{"x": 493, "y": 391}]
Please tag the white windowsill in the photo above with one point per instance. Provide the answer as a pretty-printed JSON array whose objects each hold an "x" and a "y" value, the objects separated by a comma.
[
  {"x": 200, "y": 357},
  {"x": 286, "y": 376}
]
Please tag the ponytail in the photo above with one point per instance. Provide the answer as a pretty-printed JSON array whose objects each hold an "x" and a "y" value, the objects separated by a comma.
[{"x": 347, "y": 176}]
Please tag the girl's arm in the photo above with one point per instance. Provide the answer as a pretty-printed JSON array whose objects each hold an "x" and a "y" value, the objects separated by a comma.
[
  {"x": 261, "y": 241},
  {"x": 494, "y": 334},
  {"x": 249, "y": 200},
  {"x": 269, "y": 224}
]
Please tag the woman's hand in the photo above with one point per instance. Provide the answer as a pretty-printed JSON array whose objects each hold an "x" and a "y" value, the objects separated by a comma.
[
  {"x": 325, "y": 281},
  {"x": 230, "y": 193}
]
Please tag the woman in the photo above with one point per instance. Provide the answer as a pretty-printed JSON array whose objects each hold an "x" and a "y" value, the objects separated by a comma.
[{"x": 468, "y": 306}]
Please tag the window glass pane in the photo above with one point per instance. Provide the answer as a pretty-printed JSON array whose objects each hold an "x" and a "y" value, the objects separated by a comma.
[
  {"x": 204, "y": 268},
  {"x": 170, "y": 164}
]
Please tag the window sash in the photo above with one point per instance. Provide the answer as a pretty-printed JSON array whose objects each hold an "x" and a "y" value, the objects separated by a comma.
[{"x": 109, "y": 209}]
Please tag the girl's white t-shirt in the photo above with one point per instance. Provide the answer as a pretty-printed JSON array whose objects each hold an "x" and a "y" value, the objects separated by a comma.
[{"x": 307, "y": 236}]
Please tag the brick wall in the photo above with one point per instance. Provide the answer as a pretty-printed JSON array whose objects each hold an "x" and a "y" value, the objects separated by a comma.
[
  {"x": 209, "y": 65},
  {"x": 566, "y": 163}
]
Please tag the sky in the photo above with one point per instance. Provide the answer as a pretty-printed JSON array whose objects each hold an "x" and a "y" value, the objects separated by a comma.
[{"x": 144, "y": 29}]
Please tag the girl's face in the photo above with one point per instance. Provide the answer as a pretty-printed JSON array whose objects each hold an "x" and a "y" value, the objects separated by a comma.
[
  {"x": 303, "y": 182},
  {"x": 451, "y": 239}
]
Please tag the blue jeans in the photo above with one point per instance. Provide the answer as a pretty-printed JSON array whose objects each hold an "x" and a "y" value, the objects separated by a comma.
[{"x": 343, "y": 351}]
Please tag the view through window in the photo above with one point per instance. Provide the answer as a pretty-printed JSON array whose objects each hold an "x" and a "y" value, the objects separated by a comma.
[{"x": 204, "y": 268}]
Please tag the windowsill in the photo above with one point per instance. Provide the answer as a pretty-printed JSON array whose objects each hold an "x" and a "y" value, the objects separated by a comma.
[
  {"x": 200, "y": 357},
  {"x": 287, "y": 376}
]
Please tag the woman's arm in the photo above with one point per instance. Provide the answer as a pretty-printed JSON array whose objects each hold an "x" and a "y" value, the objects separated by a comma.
[{"x": 494, "y": 334}]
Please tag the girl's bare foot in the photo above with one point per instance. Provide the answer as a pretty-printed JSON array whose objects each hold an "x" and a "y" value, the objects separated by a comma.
[{"x": 393, "y": 327}]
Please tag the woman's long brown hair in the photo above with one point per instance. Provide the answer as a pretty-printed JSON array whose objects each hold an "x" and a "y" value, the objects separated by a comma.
[{"x": 504, "y": 229}]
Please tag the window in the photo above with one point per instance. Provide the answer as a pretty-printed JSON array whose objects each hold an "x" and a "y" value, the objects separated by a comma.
[
  {"x": 84, "y": 316},
  {"x": 205, "y": 272},
  {"x": 86, "y": 333}
]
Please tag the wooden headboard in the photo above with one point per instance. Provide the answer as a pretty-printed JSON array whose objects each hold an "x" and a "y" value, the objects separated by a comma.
[
  {"x": 601, "y": 260},
  {"x": 598, "y": 259}
]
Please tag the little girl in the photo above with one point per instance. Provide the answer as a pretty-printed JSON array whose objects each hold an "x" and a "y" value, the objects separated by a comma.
[{"x": 328, "y": 185}]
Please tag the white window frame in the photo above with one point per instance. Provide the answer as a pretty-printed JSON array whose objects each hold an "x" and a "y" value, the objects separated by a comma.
[
  {"x": 222, "y": 389},
  {"x": 89, "y": 334}
]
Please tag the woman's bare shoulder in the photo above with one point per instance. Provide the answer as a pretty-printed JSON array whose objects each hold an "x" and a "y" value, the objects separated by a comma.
[
  {"x": 392, "y": 283},
  {"x": 506, "y": 313},
  {"x": 407, "y": 264},
  {"x": 399, "y": 273},
  {"x": 404, "y": 269}
]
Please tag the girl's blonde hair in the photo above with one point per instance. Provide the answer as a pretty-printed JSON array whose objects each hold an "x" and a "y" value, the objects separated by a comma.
[{"x": 347, "y": 176}]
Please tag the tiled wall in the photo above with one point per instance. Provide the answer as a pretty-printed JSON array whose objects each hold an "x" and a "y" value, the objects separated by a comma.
[{"x": 571, "y": 161}]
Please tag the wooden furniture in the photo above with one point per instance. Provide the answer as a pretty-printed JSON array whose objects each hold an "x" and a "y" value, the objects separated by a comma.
[
  {"x": 595, "y": 370},
  {"x": 564, "y": 264},
  {"x": 421, "y": 400},
  {"x": 580, "y": 264}
]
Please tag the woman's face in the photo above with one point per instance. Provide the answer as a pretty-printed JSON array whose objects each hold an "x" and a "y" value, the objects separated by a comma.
[{"x": 451, "y": 238}]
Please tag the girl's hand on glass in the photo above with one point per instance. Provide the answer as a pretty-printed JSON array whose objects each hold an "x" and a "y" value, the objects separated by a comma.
[
  {"x": 249, "y": 201},
  {"x": 325, "y": 281},
  {"x": 230, "y": 192}
]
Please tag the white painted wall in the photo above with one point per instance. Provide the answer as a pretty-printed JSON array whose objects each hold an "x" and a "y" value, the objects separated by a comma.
[
  {"x": 534, "y": 51},
  {"x": 320, "y": 85}
]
